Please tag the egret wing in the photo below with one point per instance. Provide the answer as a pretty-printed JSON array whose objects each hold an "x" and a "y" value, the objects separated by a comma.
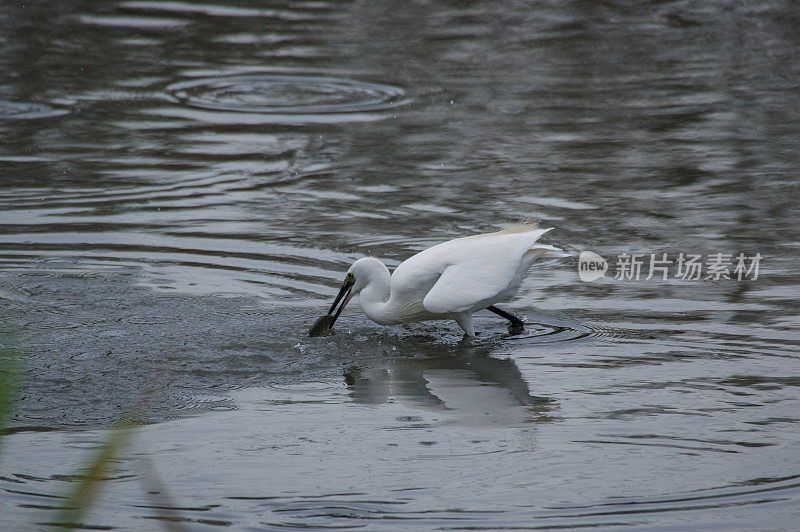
[
  {"x": 461, "y": 286},
  {"x": 476, "y": 270}
]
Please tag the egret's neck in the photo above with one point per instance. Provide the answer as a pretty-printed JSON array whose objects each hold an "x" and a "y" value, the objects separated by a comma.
[{"x": 375, "y": 295}]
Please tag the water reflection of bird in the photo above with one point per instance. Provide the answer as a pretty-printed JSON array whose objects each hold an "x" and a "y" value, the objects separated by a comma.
[
  {"x": 451, "y": 280},
  {"x": 467, "y": 382}
]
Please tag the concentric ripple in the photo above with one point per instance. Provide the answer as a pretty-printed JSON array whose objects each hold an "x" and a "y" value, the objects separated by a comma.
[
  {"x": 282, "y": 94},
  {"x": 550, "y": 332}
]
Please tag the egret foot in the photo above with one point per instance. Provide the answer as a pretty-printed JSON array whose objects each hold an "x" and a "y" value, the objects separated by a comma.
[
  {"x": 515, "y": 326},
  {"x": 514, "y": 330}
]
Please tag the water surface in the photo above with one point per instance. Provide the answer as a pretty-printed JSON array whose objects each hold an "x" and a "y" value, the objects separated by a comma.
[{"x": 184, "y": 185}]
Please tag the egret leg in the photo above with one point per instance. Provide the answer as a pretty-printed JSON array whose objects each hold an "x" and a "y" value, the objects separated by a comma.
[
  {"x": 464, "y": 321},
  {"x": 515, "y": 326}
]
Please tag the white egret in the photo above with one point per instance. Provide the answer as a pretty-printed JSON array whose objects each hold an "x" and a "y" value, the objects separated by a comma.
[{"x": 451, "y": 280}]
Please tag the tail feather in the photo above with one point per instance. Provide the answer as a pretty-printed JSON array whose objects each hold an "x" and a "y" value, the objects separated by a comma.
[{"x": 548, "y": 252}]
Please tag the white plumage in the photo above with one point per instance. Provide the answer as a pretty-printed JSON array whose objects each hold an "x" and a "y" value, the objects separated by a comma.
[{"x": 451, "y": 280}]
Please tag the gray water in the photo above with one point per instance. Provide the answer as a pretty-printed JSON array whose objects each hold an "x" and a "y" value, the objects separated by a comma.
[{"x": 184, "y": 185}]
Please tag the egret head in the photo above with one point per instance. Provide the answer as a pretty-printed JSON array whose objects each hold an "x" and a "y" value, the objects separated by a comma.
[
  {"x": 363, "y": 271},
  {"x": 358, "y": 276}
]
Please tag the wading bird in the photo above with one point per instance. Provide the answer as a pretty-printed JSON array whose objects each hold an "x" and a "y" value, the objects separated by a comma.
[{"x": 451, "y": 280}]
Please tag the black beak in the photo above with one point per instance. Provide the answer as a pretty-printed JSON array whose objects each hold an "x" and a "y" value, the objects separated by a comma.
[{"x": 345, "y": 293}]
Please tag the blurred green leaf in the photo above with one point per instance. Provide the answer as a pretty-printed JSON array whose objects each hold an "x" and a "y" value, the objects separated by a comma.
[
  {"x": 11, "y": 374},
  {"x": 97, "y": 469}
]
